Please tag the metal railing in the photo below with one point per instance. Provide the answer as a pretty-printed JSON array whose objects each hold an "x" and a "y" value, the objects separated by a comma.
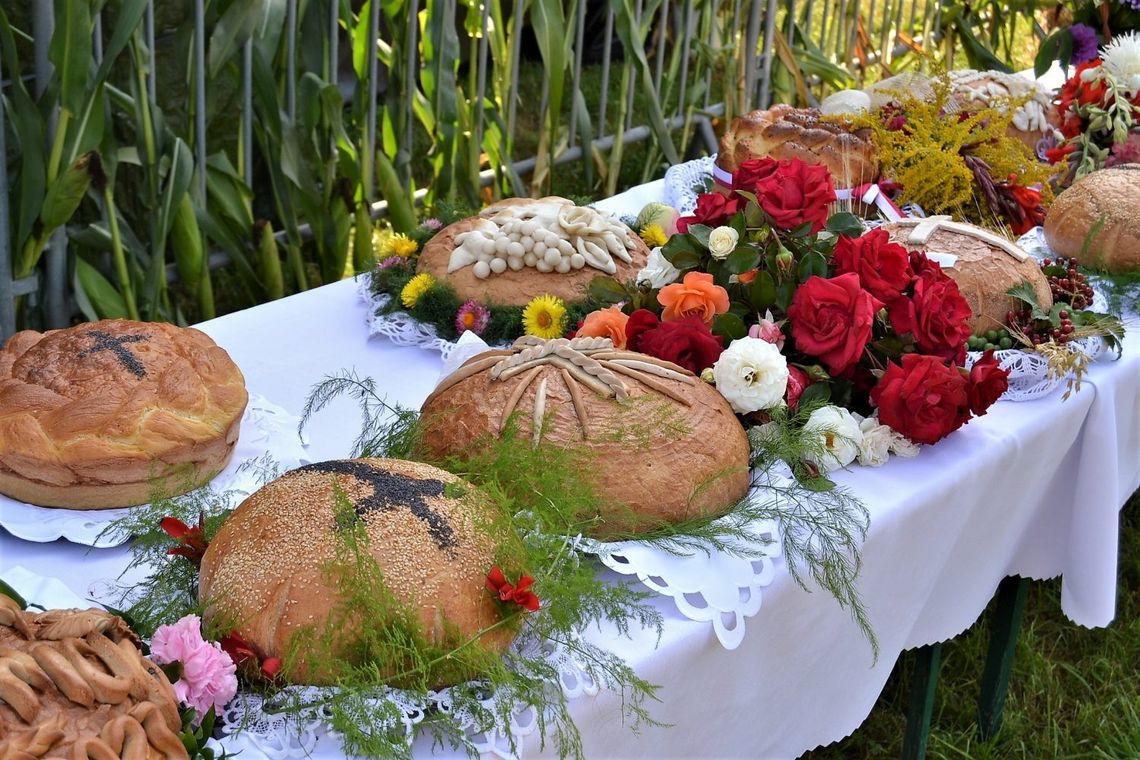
[{"x": 681, "y": 48}]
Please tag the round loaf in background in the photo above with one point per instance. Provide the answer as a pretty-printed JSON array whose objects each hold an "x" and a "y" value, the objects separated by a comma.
[
  {"x": 73, "y": 683},
  {"x": 660, "y": 445},
  {"x": 784, "y": 132},
  {"x": 1109, "y": 198},
  {"x": 266, "y": 573},
  {"x": 986, "y": 265},
  {"x": 517, "y": 288},
  {"x": 104, "y": 414}
]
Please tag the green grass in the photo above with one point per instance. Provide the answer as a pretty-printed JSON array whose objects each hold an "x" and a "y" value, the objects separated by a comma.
[{"x": 1074, "y": 693}]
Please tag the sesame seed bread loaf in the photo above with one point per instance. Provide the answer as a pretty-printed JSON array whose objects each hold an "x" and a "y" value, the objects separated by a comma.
[
  {"x": 1108, "y": 200},
  {"x": 100, "y": 415},
  {"x": 267, "y": 572},
  {"x": 513, "y": 287},
  {"x": 784, "y": 132},
  {"x": 985, "y": 265},
  {"x": 662, "y": 445},
  {"x": 73, "y": 683}
]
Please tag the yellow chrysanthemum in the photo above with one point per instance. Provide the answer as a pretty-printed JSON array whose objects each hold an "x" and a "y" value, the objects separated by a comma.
[
  {"x": 415, "y": 289},
  {"x": 545, "y": 317},
  {"x": 400, "y": 245},
  {"x": 653, "y": 235}
]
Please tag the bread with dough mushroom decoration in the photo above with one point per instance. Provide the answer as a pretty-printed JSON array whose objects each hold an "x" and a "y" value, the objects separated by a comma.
[
  {"x": 73, "y": 683},
  {"x": 1107, "y": 201},
  {"x": 102, "y": 414},
  {"x": 660, "y": 445},
  {"x": 270, "y": 572},
  {"x": 985, "y": 265},
  {"x": 521, "y": 248}
]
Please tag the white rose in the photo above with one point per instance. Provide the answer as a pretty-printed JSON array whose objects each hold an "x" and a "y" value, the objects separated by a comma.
[
  {"x": 875, "y": 447},
  {"x": 658, "y": 271},
  {"x": 722, "y": 241},
  {"x": 839, "y": 434},
  {"x": 752, "y": 374},
  {"x": 903, "y": 446}
]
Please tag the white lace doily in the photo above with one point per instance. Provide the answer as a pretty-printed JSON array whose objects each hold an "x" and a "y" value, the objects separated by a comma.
[
  {"x": 398, "y": 326},
  {"x": 685, "y": 181},
  {"x": 1029, "y": 377},
  {"x": 265, "y": 428},
  {"x": 255, "y": 725}
]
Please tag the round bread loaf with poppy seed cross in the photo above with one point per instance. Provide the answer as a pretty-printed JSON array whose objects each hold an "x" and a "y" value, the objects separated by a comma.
[
  {"x": 281, "y": 570},
  {"x": 107, "y": 413}
]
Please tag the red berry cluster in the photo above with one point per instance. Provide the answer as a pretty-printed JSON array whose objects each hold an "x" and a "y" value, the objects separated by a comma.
[
  {"x": 1040, "y": 330},
  {"x": 1072, "y": 287}
]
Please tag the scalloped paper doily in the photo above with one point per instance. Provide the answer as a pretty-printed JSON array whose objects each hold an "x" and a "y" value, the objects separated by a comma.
[{"x": 265, "y": 428}]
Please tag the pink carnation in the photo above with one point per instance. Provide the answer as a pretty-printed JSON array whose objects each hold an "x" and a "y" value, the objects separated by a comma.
[
  {"x": 1127, "y": 152},
  {"x": 768, "y": 330},
  {"x": 432, "y": 224},
  {"x": 208, "y": 674}
]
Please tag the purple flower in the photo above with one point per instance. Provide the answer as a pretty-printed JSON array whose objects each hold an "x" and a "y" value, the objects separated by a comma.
[
  {"x": 435, "y": 224},
  {"x": 1084, "y": 42},
  {"x": 1133, "y": 4},
  {"x": 391, "y": 261},
  {"x": 472, "y": 316}
]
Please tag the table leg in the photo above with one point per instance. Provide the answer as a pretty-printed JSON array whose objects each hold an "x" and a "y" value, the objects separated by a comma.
[
  {"x": 922, "y": 685},
  {"x": 999, "y": 660}
]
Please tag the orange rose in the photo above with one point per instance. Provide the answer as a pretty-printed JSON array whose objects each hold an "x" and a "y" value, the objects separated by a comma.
[
  {"x": 605, "y": 323},
  {"x": 694, "y": 296}
]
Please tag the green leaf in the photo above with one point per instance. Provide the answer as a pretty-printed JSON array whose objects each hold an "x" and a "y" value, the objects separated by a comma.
[
  {"x": 816, "y": 393},
  {"x": 742, "y": 259},
  {"x": 64, "y": 195},
  {"x": 401, "y": 210},
  {"x": 231, "y": 31},
  {"x": 976, "y": 53},
  {"x": 700, "y": 233},
  {"x": 730, "y": 326},
  {"x": 762, "y": 291},
  {"x": 1024, "y": 291},
  {"x": 178, "y": 179},
  {"x": 607, "y": 290},
  {"x": 845, "y": 223},
  {"x": 1065, "y": 51},
  {"x": 97, "y": 297},
  {"x": 70, "y": 51},
  {"x": 127, "y": 19}
]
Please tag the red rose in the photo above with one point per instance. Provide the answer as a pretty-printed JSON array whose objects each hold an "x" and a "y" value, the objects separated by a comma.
[
  {"x": 753, "y": 171},
  {"x": 797, "y": 193},
  {"x": 798, "y": 381},
  {"x": 883, "y": 267},
  {"x": 639, "y": 321},
  {"x": 987, "y": 382},
  {"x": 920, "y": 264},
  {"x": 937, "y": 315},
  {"x": 713, "y": 209},
  {"x": 832, "y": 319},
  {"x": 924, "y": 399},
  {"x": 686, "y": 342}
]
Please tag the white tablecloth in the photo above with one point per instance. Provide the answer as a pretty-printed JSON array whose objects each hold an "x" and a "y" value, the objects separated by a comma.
[{"x": 1032, "y": 488}]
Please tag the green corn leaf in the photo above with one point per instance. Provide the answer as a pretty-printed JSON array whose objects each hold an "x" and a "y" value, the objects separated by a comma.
[
  {"x": 29, "y": 129},
  {"x": 363, "y": 257},
  {"x": 70, "y": 51},
  {"x": 977, "y": 53},
  {"x": 401, "y": 210},
  {"x": 238, "y": 24},
  {"x": 625, "y": 22},
  {"x": 190, "y": 256},
  {"x": 96, "y": 296},
  {"x": 177, "y": 184},
  {"x": 64, "y": 195},
  {"x": 127, "y": 19},
  {"x": 228, "y": 192},
  {"x": 269, "y": 262}
]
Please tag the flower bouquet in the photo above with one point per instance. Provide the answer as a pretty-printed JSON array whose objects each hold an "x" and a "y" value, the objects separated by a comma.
[
  {"x": 778, "y": 302},
  {"x": 1100, "y": 108}
]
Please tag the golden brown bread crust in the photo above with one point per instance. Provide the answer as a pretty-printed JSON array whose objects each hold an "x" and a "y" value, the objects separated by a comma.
[
  {"x": 100, "y": 414},
  {"x": 74, "y": 684},
  {"x": 265, "y": 571},
  {"x": 653, "y": 457},
  {"x": 516, "y": 288},
  {"x": 784, "y": 132},
  {"x": 1109, "y": 194},
  {"x": 983, "y": 272}
]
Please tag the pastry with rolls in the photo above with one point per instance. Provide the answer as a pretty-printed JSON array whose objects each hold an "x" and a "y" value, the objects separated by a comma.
[{"x": 74, "y": 683}]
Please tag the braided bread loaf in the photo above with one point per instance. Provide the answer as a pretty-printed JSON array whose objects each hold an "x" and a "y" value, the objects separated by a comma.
[
  {"x": 784, "y": 132},
  {"x": 99, "y": 415},
  {"x": 74, "y": 684},
  {"x": 663, "y": 446}
]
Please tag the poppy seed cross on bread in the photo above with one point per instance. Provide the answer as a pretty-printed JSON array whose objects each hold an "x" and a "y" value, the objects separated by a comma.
[
  {"x": 391, "y": 490},
  {"x": 105, "y": 342}
]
